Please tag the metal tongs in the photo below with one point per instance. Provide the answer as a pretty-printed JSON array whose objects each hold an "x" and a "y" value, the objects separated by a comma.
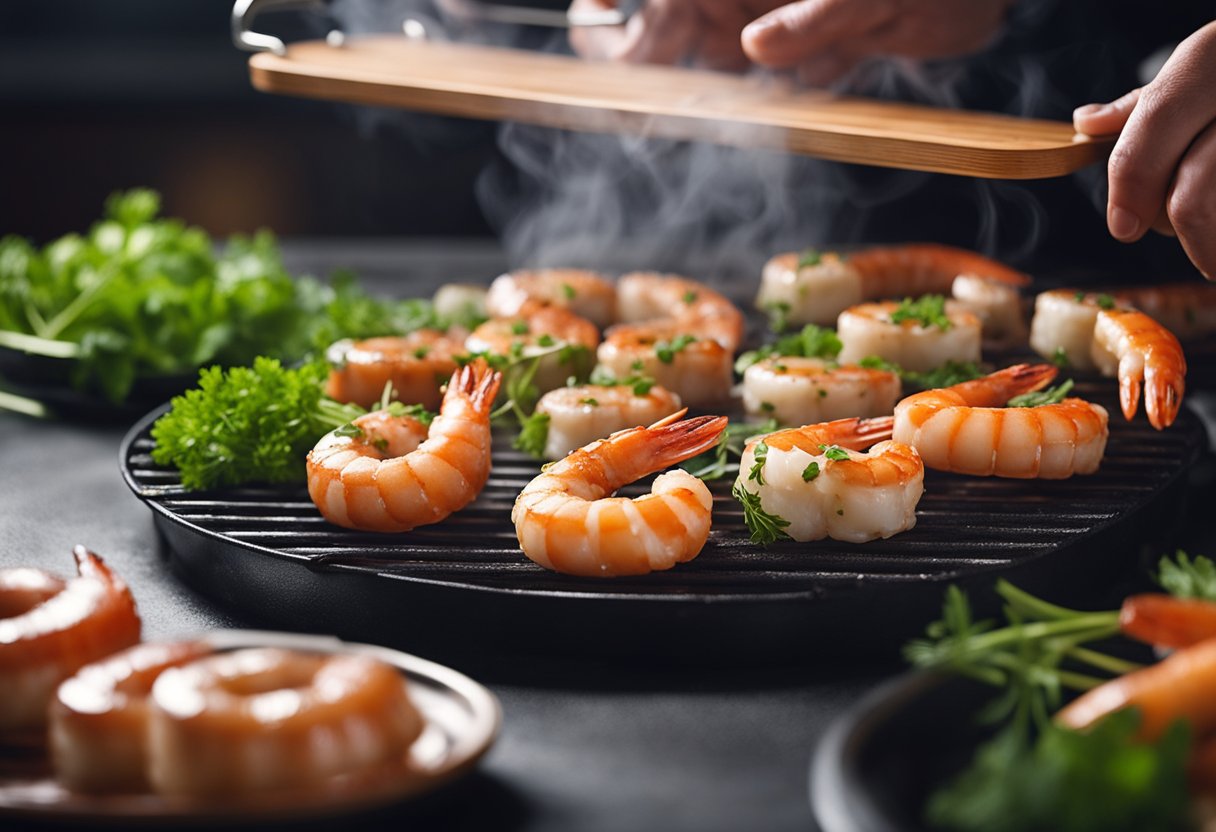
[{"x": 479, "y": 11}]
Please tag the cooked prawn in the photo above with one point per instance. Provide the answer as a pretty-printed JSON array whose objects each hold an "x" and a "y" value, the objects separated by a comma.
[
  {"x": 582, "y": 414},
  {"x": 815, "y": 287},
  {"x": 1179, "y": 687},
  {"x": 1165, "y": 621},
  {"x": 562, "y": 342},
  {"x": 566, "y": 520},
  {"x": 417, "y": 364},
  {"x": 867, "y": 330},
  {"x": 818, "y": 480},
  {"x": 967, "y": 429},
  {"x": 259, "y": 719},
  {"x": 649, "y": 297},
  {"x": 51, "y": 628},
  {"x": 1143, "y": 353},
  {"x": 463, "y": 302},
  {"x": 806, "y": 391},
  {"x": 997, "y": 304},
  {"x": 99, "y": 717},
  {"x": 386, "y": 478},
  {"x": 1187, "y": 309},
  {"x": 587, "y": 294},
  {"x": 699, "y": 370},
  {"x": 1094, "y": 331}
]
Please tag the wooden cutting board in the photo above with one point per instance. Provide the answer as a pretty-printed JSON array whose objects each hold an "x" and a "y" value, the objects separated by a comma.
[{"x": 561, "y": 91}]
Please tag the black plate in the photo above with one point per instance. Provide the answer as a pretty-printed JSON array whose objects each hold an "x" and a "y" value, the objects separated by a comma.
[
  {"x": 461, "y": 588},
  {"x": 874, "y": 768}
]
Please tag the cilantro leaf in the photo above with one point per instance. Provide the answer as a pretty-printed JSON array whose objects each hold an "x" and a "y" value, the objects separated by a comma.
[
  {"x": 811, "y": 471},
  {"x": 834, "y": 452},
  {"x": 533, "y": 434}
]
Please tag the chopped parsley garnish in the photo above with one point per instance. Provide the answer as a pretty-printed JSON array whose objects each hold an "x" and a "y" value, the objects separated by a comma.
[
  {"x": 545, "y": 340},
  {"x": 589, "y": 401},
  {"x": 765, "y": 528},
  {"x": 533, "y": 434},
  {"x": 639, "y": 383},
  {"x": 778, "y": 315},
  {"x": 1059, "y": 358},
  {"x": 666, "y": 350},
  {"x": 809, "y": 257},
  {"x": 690, "y": 297},
  {"x": 1105, "y": 301},
  {"x": 811, "y": 342},
  {"x": 1052, "y": 395},
  {"x": 568, "y": 291},
  {"x": 422, "y": 352},
  {"x": 834, "y": 452},
  {"x": 519, "y": 328},
  {"x": 925, "y": 311},
  {"x": 715, "y": 464},
  {"x": 810, "y": 471},
  {"x": 947, "y": 375}
]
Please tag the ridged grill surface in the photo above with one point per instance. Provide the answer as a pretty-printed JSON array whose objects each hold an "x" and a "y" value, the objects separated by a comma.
[{"x": 964, "y": 525}]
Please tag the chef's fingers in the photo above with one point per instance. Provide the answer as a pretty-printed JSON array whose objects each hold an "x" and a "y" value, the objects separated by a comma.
[
  {"x": 1105, "y": 119},
  {"x": 1170, "y": 113},
  {"x": 1192, "y": 202},
  {"x": 662, "y": 32},
  {"x": 823, "y": 69},
  {"x": 721, "y": 24},
  {"x": 795, "y": 33}
]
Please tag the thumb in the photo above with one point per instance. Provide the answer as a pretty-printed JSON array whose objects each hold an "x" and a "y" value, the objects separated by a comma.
[
  {"x": 1105, "y": 119},
  {"x": 797, "y": 31}
]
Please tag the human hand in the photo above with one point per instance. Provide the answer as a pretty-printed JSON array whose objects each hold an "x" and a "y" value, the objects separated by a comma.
[
  {"x": 703, "y": 32},
  {"x": 824, "y": 39},
  {"x": 1162, "y": 171}
]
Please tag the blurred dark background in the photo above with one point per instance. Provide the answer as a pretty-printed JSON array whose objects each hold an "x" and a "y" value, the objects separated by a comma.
[{"x": 98, "y": 96}]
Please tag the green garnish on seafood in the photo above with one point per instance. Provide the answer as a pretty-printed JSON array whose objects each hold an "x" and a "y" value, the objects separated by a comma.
[
  {"x": 1037, "y": 398},
  {"x": 765, "y": 528},
  {"x": 811, "y": 342},
  {"x": 926, "y": 311}
]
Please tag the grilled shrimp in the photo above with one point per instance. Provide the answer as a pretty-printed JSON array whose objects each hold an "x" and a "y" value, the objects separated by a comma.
[
  {"x": 1143, "y": 353},
  {"x": 540, "y": 329},
  {"x": 582, "y": 414},
  {"x": 967, "y": 429},
  {"x": 259, "y": 719},
  {"x": 587, "y": 294},
  {"x": 1093, "y": 331},
  {"x": 817, "y": 287},
  {"x": 50, "y": 628},
  {"x": 566, "y": 520},
  {"x": 818, "y": 480},
  {"x": 1186, "y": 309},
  {"x": 997, "y": 304},
  {"x": 699, "y": 370},
  {"x": 868, "y": 330},
  {"x": 417, "y": 364},
  {"x": 647, "y": 297},
  {"x": 388, "y": 478},
  {"x": 462, "y": 302},
  {"x": 805, "y": 391},
  {"x": 99, "y": 717}
]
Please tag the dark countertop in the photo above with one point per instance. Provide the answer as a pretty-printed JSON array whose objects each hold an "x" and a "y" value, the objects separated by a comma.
[{"x": 598, "y": 747}]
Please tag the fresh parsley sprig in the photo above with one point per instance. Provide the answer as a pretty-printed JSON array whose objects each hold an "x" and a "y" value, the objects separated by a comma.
[
  {"x": 1038, "y": 398},
  {"x": 1183, "y": 577},
  {"x": 947, "y": 375},
  {"x": 717, "y": 462},
  {"x": 925, "y": 311},
  {"x": 765, "y": 528}
]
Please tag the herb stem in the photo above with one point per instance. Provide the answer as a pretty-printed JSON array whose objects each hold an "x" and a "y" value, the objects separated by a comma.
[{"x": 1102, "y": 660}]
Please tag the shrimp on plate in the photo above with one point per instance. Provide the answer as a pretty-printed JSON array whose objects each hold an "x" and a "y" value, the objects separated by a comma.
[
  {"x": 802, "y": 391},
  {"x": 582, "y": 414},
  {"x": 815, "y": 287},
  {"x": 567, "y": 521},
  {"x": 917, "y": 342},
  {"x": 587, "y": 294},
  {"x": 819, "y": 480},
  {"x": 1092, "y": 331},
  {"x": 99, "y": 717},
  {"x": 266, "y": 718},
  {"x": 968, "y": 429},
  {"x": 49, "y": 628},
  {"x": 417, "y": 365},
  {"x": 391, "y": 473},
  {"x": 562, "y": 342}
]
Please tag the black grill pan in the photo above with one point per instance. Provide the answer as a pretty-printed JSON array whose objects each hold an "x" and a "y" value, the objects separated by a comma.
[{"x": 462, "y": 588}]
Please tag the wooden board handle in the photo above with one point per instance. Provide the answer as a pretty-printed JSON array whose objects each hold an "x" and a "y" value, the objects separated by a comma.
[{"x": 561, "y": 91}]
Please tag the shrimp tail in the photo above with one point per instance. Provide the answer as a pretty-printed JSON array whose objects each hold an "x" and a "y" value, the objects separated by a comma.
[
  {"x": 476, "y": 384},
  {"x": 863, "y": 433},
  {"x": 1129, "y": 392},
  {"x": 669, "y": 419},
  {"x": 675, "y": 442},
  {"x": 90, "y": 565},
  {"x": 1166, "y": 621},
  {"x": 1163, "y": 396}
]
